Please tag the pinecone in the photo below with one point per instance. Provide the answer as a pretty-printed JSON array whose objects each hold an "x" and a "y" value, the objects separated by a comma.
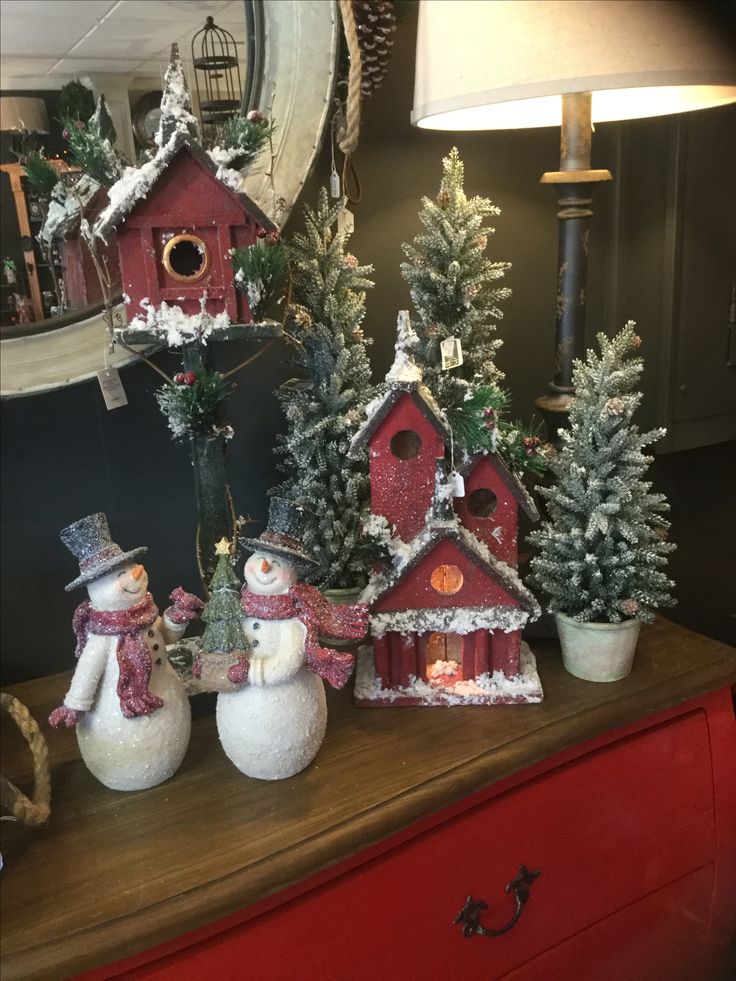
[{"x": 375, "y": 22}]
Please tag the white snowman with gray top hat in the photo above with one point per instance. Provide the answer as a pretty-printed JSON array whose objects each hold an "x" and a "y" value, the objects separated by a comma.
[
  {"x": 129, "y": 707},
  {"x": 273, "y": 726}
]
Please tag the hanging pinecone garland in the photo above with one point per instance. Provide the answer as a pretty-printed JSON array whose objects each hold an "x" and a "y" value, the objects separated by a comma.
[{"x": 375, "y": 22}]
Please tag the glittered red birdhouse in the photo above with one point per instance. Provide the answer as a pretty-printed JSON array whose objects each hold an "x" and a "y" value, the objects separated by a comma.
[
  {"x": 447, "y": 610},
  {"x": 406, "y": 434},
  {"x": 176, "y": 224},
  {"x": 490, "y": 507}
]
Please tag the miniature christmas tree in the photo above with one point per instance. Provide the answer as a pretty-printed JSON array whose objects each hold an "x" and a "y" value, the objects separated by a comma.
[
  {"x": 322, "y": 407},
  {"x": 454, "y": 286},
  {"x": 455, "y": 291},
  {"x": 223, "y": 615},
  {"x": 602, "y": 554}
]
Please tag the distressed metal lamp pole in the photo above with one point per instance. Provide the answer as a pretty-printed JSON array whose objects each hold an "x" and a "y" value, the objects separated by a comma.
[
  {"x": 574, "y": 180},
  {"x": 517, "y": 64}
]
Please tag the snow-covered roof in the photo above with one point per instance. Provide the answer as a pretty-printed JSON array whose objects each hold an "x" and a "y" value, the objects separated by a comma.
[
  {"x": 408, "y": 556},
  {"x": 404, "y": 376},
  {"x": 63, "y": 214},
  {"x": 137, "y": 182},
  {"x": 513, "y": 483}
]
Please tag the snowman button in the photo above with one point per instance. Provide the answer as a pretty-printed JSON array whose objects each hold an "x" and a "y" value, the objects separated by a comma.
[
  {"x": 159, "y": 661},
  {"x": 254, "y": 643},
  {"x": 256, "y": 625},
  {"x": 155, "y": 647},
  {"x": 150, "y": 633}
]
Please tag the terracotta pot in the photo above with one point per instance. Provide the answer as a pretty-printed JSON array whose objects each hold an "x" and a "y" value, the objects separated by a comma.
[
  {"x": 340, "y": 597},
  {"x": 597, "y": 651}
]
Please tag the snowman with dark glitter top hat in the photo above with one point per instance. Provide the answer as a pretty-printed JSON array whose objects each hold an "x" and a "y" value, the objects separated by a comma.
[
  {"x": 273, "y": 726},
  {"x": 130, "y": 710}
]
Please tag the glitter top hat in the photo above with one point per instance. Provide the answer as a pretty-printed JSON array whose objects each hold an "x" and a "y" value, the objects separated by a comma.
[
  {"x": 89, "y": 540},
  {"x": 283, "y": 536}
]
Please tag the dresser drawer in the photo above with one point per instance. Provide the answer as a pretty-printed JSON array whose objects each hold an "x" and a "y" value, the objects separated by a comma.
[{"x": 607, "y": 829}]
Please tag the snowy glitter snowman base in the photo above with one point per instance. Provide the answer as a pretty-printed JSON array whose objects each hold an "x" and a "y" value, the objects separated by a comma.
[
  {"x": 130, "y": 709},
  {"x": 273, "y": 727}
]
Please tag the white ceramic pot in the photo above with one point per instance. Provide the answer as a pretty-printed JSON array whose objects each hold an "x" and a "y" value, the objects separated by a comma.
[{"x": 597, "y": 651}]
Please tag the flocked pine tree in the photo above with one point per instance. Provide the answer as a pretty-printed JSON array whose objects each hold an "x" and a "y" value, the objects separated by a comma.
[
  {"x": 456, "y": 293},
  {"x": 454, "y": 286},
  {"x": 176, "y": 103},
  {"x": 223, "y": 615},
  {"x": 322, "y": 407},
  {"x": 601, "y": 555}
]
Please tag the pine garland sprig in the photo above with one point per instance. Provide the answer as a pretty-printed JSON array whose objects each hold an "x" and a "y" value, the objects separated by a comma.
[
  {"x": 195, "y": 404},
  {"x": 91, "y": 151},
  {"x": 479, "y": 425},
  {"x": 258, "y": 271},
  {"x": 243, "y": 138},
  {"x": 41, "y": 175}
]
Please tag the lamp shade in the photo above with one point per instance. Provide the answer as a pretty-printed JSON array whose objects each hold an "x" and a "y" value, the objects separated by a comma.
[
  {"x": 492, "y": 64},
  {"x": 23, "y": 115}
]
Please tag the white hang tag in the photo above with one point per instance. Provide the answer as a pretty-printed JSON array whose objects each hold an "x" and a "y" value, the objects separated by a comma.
[
  {"x": 452, "y": 353},
  {"x": 346, "y": 221},
  {"x": 458, "y": 484},
  {"x": 112, "y": 388},
  {"x": 334, "y": 184}
]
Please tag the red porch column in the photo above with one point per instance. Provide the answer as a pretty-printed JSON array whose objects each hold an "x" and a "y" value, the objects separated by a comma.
[
  {"x": 479, "y": 642},
  {"x": 382, "y": 660},
  {"x": 505, "y": 652}
]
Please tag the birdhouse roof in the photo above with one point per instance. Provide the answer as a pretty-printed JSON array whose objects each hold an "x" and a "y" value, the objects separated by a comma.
[
  {"x": 513, "y": 483},
  {"x": 407, "y": 556},
  {"x": 137, "y": 183},
  {"x": 380, "y": 407}
]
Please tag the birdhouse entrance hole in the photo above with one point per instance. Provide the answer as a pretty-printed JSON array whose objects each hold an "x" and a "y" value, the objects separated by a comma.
[
  {"x": 406, "y": 444},
  {"x": 446, "y": 579},
  {"x": 444, "y": 659},
  {"x": 186, "y": 258},
  {"x": 482, "y": 502}
]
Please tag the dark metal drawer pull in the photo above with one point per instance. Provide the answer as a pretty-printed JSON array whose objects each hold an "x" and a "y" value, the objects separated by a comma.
[{"x": 470, "y": 913}]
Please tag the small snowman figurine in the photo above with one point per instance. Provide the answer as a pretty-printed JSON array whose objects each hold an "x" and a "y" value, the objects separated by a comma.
[
  {"x": 130, "y": 709},
  {"x": 273, "y": 726}
]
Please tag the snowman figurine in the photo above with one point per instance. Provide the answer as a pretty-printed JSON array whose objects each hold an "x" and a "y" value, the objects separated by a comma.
[
  {"x": 130, "y": 709},
  {"x": 273, "y": 726}
]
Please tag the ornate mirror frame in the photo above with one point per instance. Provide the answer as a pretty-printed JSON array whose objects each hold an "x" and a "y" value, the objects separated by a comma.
[{"x": 293, "y": 47}]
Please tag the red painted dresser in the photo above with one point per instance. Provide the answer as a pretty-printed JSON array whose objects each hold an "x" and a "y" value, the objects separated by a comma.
[{"x": 621, "y": 796}]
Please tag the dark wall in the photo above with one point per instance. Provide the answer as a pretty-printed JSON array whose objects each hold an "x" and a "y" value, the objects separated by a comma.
[{"x": 65, "y": 456}]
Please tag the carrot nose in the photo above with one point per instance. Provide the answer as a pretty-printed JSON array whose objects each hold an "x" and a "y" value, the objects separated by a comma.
[
  {"x": 265, "y": 565},
  {"x": 137, "y": 571}
]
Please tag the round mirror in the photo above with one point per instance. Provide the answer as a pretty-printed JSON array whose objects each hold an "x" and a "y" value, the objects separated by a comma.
[{"x": 288, "y": 54}]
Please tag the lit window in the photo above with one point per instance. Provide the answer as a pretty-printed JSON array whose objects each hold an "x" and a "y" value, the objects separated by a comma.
[{"x": 446, "y": 579}]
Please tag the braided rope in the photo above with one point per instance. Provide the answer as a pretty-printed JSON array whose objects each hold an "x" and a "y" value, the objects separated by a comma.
[
  {"x": 36, "y": 811},
  {"x": 348, "y": 141}
]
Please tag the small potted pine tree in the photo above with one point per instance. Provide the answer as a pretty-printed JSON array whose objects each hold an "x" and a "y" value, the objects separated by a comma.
[{"x": 601, "y": 555}]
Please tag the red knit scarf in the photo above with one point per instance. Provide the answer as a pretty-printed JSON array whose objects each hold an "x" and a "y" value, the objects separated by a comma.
[
  {"x": 134, "y": 660},
  {"x": 307, "y": 604}
]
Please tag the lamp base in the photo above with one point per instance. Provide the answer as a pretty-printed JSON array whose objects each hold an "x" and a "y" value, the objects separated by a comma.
[{"x": 555, "y": 409}]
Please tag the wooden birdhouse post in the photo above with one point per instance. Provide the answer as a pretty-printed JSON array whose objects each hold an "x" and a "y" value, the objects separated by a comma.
[
  {"x": 177, "y": 219},
  {"x": 447, "y": 611}
]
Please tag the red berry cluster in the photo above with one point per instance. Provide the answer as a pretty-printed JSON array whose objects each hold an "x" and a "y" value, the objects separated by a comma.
[
  {"x": 185, "y": 378},
  {"x": 489, "y": 415},
  {"x": 254, "y": 116},
  {"x": 531, "y": 444},
  {"x": 273, "y": 238}
]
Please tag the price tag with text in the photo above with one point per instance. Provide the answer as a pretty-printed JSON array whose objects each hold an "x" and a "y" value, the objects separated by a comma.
[
  {"x": 452, "y": 353},
  {"x": 112, "y": 388}
]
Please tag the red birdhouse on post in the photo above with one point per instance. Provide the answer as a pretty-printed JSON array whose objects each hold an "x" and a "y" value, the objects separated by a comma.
[
  {"x": 447, "y": 613},
  {"x": 176, "y": 225}
]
